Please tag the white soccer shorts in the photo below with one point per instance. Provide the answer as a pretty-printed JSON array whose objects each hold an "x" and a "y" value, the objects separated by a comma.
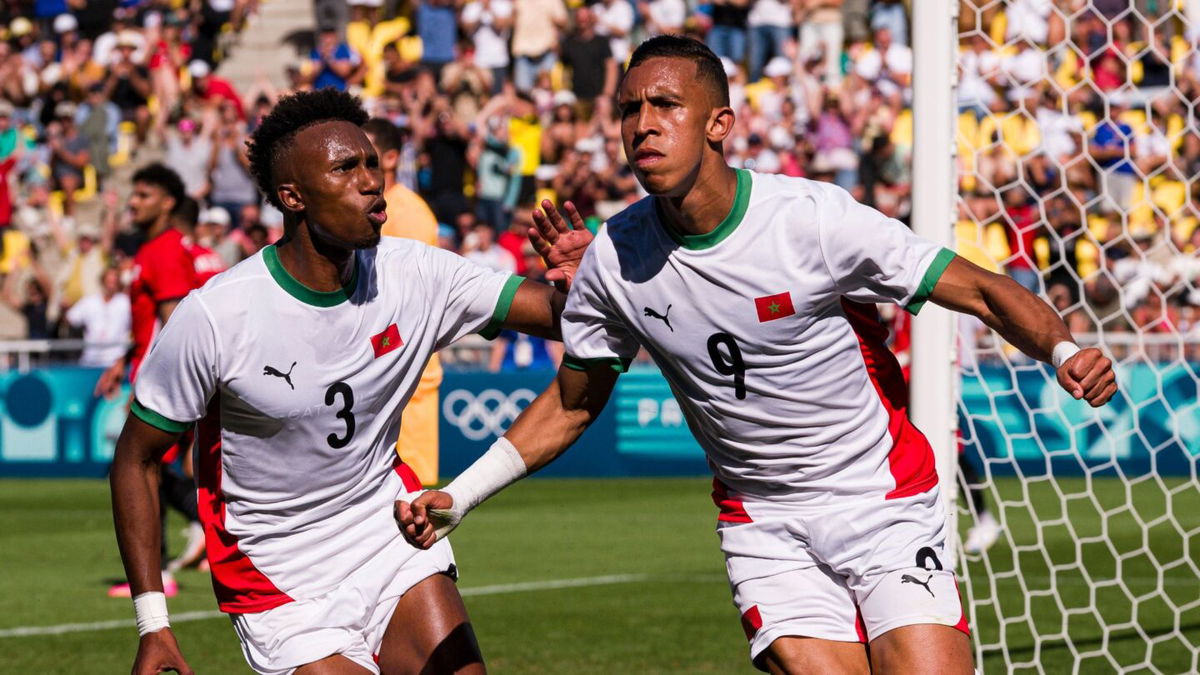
[
  {"x": 850, "y": 570},
  {"x": 349, "y": 620}
]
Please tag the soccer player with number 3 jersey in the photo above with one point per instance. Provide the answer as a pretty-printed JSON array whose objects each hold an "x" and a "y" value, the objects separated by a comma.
[
  {"x": 755, "y": 296},
  {"x": 299, "y": 360}
]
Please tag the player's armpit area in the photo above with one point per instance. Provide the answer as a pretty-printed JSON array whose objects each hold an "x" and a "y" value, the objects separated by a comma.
[{"x": 533, "y": 308}]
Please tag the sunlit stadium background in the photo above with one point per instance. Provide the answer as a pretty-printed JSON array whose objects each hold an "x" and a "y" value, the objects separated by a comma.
[{"x": 1052, "y": 140}]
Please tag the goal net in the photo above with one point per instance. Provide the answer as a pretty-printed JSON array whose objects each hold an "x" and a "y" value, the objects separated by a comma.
[{"x": 1079, "y": 176}]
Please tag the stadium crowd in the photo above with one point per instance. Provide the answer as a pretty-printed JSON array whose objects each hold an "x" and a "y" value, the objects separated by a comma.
[{"x": 1077, "y": 136}]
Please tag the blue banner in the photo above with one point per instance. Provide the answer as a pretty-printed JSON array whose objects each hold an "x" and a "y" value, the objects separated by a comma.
[{"x": 1018, "y": 418}]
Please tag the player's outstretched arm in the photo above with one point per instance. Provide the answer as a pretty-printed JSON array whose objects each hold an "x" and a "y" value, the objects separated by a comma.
[
  {"x": 134, "y": 481},
  {"x": 1027, "y": 322},
  {"x": 542, "y": 432},
  {"x": 535, "y": 310}
]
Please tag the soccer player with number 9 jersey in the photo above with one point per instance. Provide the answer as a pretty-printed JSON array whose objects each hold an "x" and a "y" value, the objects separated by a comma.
[{"x": 755, "y": 295}]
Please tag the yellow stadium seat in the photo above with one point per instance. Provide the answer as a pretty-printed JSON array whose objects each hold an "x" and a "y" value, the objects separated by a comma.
[
  {"x": 1175, "y": 126},
  {"x": 1168, "y": 195},
  {"x": 1183, "y": 228},
  {"x": 968, "y": 243},
  {"x": 902, "y": 129},
  {"x": 1087, "y": 257},
  {"x": 1067, "y": 73},
  {"x": 1041, "y": 252},
  {"x": 1179, "y": 50},
  {"x": 999, "y": 28},
  {"x": 968, "y": 133},
  {"x": 1141, "y": 214},
  {"x": 411, "y": 48},
  {"x": 1136, "y": 119},
  {"x": 1097, "y": 225},
  {"x": 995, "y": 240},
  {"x": 1136, "y": 71},
  {"x": 85, "y": 192}
]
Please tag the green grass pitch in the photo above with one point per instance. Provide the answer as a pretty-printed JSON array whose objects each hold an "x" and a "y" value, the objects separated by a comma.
[{"x": 650, "y": 595}]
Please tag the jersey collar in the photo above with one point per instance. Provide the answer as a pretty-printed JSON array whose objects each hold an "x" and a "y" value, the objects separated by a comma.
[
  {"x": 699, "y": 242},
  {"x": 301, "y": 292}
]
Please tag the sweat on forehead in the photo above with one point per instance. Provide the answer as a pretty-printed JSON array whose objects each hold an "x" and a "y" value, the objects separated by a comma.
[
  {"x": 688, "y": 72},
  {"x": 291, "y": 115}
]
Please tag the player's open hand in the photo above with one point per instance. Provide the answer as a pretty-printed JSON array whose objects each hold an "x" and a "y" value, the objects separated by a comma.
[
  {"x": 560, "y": 245},
  {"x": 158, "y": 652},
  {"x": 428, "y": 518},
  {"x": 1089, "y": 375}
]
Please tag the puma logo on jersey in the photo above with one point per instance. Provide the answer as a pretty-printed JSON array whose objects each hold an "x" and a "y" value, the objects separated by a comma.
[
  {"x": 287, "y": 377},
  {"x": 662, "y": 317},
  {"x": 910, "y": 579}
]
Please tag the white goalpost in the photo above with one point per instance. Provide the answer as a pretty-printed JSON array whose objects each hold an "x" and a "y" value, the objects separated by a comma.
[{"x": 1058, "y": 141}]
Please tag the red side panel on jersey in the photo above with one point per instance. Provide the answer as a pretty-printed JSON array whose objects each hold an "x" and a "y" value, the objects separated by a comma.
[
  {"x": 911, "y": 458},
  {"x": 860, "y": 626},
  {"x": 240, "y": 587},
  {"x": 407, "y": 475},
  {"x": 732, "y": 509},
  {"x": 751, "y": 622}
]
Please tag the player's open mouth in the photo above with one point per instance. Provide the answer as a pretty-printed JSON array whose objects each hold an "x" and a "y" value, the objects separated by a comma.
[
  {"x": 377, "y": 213},
  {"x": 645, "y": 158}
]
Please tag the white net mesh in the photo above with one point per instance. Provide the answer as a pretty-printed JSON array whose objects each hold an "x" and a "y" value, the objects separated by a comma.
[{"x": 1079, "y": 161}]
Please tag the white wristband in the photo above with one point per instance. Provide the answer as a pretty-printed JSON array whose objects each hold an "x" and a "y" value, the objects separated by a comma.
[
  {"x": 498, "y": 468},
  {"x": 1063, "y": 351},
  {"x": 151, "y": 611}
]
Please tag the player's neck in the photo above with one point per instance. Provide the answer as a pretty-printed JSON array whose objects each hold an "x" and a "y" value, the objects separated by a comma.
[
  {"x": 159, "y": 226},
  {"x": 703, "y": 206},
  {"x": 318, "y": 267}
]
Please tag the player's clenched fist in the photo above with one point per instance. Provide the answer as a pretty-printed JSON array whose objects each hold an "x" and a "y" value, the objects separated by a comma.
[
  {"x": 1089, "y": 375},
  {"x": 428, "y": 518},
  {"x": 158, "y": 652}
]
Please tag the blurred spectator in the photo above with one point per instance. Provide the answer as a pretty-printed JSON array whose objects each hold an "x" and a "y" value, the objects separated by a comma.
[
  {"x": 437, "y": 26},
  {"x": 479, "y": 246},
  {"x": 661, "y": 17},
  {"x": 614, "y": 20},
  {"x": 593, "y": 69},
  {"x": 821, "y": 35},
  {"x": 770, "y": 30},
  {"x": 489, "y": 24},
  {"x": 334, "y": 63},
  {"x": 189, "y": 153},
  {"x": 727, "y": 37},
  {"x": 536, "y": 29},
  {"x": 212, "y": 89},
  {"x": 69, "y": 153},
  {"x": 104, "y": 318}
]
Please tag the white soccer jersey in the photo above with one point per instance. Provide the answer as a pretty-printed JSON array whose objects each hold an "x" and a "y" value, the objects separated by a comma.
[
  {"x": 307, "y": 389},
  {"x": 765, "y": 329}
]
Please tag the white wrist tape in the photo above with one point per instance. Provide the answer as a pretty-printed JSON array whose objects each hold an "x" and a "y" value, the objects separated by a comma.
[
  {"x": 498, "y": 468},
  {"x": 151, "y": 611},
  {"x": 1063, "y": 351}
]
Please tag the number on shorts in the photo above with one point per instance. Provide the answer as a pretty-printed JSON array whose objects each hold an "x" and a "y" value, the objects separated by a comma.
[{"x": 926, "y": 554}]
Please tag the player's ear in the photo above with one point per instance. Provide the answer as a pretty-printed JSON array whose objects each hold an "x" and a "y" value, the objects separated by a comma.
[
  {"x": 289, "y": 196},
  {"x": 720, "y": 124}
]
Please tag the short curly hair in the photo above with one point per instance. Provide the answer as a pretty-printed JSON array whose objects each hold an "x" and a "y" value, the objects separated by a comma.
[
  {"x": 164, "y": 177},
  {"x": 290, "y": 116}
]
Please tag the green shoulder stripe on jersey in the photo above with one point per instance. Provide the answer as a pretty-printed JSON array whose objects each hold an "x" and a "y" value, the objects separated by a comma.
[
  {"x": 619, "y": 365},
  {"x": 301, "y": 292},
  {"x": 741, "y": 200},
  {"x": 940, "y": 262},
  {"x": 500, "y": 314},
  {"x": 155, "y": 420}
]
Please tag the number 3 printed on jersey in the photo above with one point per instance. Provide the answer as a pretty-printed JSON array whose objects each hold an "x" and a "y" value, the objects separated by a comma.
[
  {"x": 344, "y": 414},
  {"x": 731, "y": 364}
]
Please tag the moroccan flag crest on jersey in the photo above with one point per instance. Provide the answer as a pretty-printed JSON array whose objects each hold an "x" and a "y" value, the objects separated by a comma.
[
  {"x": 386, "y": 341},
  {"x": 776, "y": 306}
]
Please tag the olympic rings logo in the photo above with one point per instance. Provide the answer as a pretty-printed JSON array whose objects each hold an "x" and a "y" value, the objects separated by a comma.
[{"x": 487, "y": 414}]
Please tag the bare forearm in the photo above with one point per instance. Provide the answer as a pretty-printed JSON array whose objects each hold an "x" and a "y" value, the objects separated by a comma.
[
  {"x": 547, "y": 428},
  {"x": 1020, "y": 317},
  {"x": 536, "y": 310},
  {"x": 134, "y": 487}
]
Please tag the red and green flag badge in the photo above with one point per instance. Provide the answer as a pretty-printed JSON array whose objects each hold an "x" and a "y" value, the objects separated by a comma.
[
  {"x": 386, "y": 341},
  {"x": 771, "y": 307}
]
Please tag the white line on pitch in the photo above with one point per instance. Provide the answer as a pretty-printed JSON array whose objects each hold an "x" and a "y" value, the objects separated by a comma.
[{"x": 181, "y": 617}]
